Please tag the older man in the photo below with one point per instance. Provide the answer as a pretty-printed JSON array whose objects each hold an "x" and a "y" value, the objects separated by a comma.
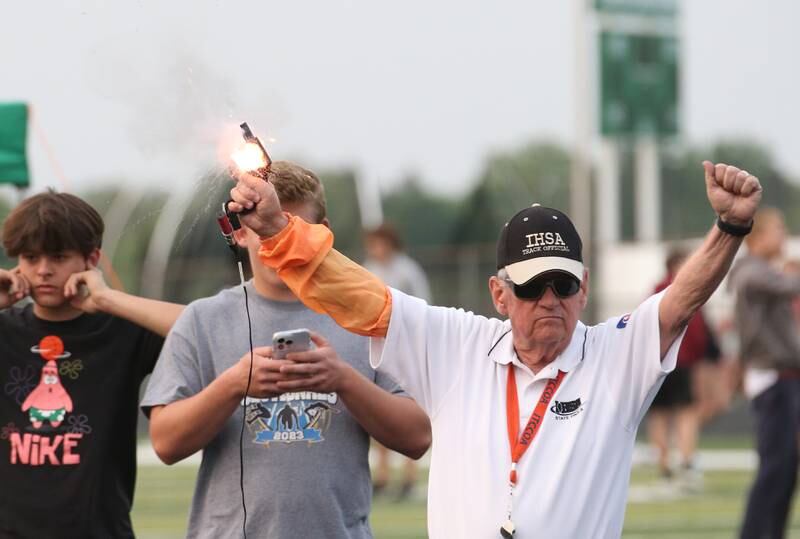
[{"x": 571, "y": 395}]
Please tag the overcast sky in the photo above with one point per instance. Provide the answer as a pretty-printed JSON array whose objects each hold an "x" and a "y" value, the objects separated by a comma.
[{"x": 143, "y": 90}]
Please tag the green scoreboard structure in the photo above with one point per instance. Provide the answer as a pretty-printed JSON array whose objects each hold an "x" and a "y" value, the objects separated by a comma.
[
  {"x": 637, "y": 92},
  {"x": 639, "y": 76},
  {"x": 639, "y": 84}
]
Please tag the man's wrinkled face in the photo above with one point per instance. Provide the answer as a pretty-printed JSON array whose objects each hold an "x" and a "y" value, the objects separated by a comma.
[
  {"x": 551, "y": 319},
  {"x": 48, "y": 273}
]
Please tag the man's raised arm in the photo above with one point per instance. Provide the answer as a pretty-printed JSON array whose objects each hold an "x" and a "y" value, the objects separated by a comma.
[
  {"x": 734, "y": 195},
  {"x": 303, "y": 255}
]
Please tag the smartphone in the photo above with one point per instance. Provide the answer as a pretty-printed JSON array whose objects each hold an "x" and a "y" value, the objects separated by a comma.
[{"x": 293, "y": 340}]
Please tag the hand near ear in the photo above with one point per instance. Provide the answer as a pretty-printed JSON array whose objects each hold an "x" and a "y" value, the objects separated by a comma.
[
  {"x": 13, "y": 287},
  {"x": 85, "y": 290}
]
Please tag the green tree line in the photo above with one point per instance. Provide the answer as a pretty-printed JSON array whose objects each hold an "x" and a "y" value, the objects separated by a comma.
[{"x": 434, "y": 226}]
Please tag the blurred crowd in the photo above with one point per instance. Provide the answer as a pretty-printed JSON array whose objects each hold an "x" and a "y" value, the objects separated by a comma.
[{"x": 764, "y": 365}]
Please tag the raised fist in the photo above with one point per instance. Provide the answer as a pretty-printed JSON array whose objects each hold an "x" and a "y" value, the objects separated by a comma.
[{"x": 734, "y": 194}]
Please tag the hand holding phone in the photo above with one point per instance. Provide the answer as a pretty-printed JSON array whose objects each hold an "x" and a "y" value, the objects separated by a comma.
[{"x": 293, "y": 340}]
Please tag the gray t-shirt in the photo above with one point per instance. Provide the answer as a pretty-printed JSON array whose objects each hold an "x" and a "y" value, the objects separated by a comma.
[{"x": 306, "y": 472}]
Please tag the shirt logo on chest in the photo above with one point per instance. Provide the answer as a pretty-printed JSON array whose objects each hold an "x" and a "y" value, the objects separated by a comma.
[
  {"x": 55, "y": 431},
  {"x": 567, "y": 409},
  {"x": 623, "y": 322},
  {"x": 291, "y": 417}
]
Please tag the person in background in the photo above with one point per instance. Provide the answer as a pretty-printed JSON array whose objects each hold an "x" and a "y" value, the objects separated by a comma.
[
  {"x": 677, "y": 404},
  {"x": 387, "y": 260},
  {"x": 770, "y": 352},
  {"x": 792, "y": 267},
  {"x": 725, "y": 380}
]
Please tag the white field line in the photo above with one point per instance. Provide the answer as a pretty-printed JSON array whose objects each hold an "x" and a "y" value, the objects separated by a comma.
[{"x": 707, "y": 460}]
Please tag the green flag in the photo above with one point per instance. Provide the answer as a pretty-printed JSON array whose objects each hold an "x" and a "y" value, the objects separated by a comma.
[{"x": 13, "y": 134}]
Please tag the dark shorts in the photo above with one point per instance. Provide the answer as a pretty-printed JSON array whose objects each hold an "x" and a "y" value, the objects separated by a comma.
[{"x": 676, "y": 390}]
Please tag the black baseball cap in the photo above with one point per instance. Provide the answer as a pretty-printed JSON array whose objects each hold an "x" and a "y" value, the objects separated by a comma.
[{"x": 538, "y": 240}]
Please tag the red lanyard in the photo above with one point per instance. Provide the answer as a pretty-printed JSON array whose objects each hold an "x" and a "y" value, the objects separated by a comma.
[{"x": 519, "y": 444}]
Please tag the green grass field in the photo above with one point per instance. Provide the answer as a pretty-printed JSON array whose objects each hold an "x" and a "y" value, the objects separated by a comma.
[{"x": 163, "y": 495}]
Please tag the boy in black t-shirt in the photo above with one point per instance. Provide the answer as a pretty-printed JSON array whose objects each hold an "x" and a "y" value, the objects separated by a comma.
[{"x": 71, "y": 362}]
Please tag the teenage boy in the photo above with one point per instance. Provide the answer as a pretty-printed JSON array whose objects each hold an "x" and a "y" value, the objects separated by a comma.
[
  {"x": 71, "y": 362},
  {"x": 309, "y": 417}
]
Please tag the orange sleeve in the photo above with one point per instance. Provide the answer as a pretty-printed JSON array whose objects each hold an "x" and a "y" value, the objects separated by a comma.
[{"x": 327, "y": 281}]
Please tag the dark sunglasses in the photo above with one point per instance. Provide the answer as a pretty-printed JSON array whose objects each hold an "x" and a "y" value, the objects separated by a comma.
[{"x": 562, "y": 286}]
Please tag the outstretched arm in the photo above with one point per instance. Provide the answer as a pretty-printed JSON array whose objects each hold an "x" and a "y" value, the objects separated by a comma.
[
  {"x": 303, "y": 255},
  {"x": 88, "y": 292},
  {"x": 734, "y": 195}
]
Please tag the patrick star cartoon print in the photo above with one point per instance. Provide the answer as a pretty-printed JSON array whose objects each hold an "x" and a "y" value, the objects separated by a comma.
[{"x": 49, "y": 401}]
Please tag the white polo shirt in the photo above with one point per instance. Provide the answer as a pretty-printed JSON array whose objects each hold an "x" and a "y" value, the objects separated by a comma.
[{"x": 573, "y": 480}]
